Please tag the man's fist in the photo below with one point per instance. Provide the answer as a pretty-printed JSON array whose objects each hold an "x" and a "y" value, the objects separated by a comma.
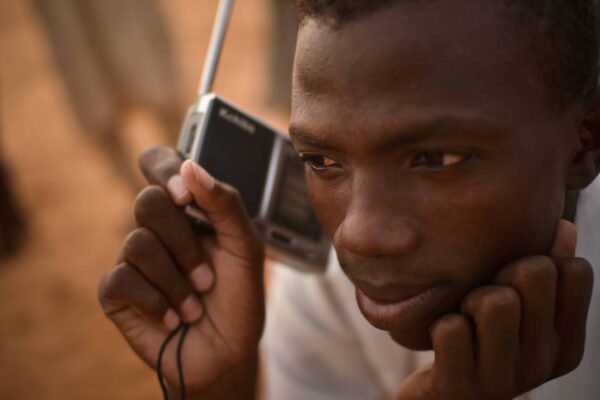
[
  {"x": 521, "y": 331},
  {"x": 168, "y": 272}
]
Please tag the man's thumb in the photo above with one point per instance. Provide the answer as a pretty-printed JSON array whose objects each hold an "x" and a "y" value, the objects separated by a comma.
[{"x": 221, "y": 203}]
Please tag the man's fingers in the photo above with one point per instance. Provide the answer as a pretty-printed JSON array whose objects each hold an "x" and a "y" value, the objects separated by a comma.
[
  {"x": 145, "y": 252},
  {"x": 224, "y": 208},
  {"x": 574, "y": 291},
  {"x": 573, "y": 294},
  {"x": 453, "y": 341},
  {"x": 565, "y": 239},
  {"x": 155, "y": 211},
  {"x": 160, "y": 165},
  {"x": 535, "y": 279},
  {"x": 124, "y": 287},
  {"x": 496, "y": 311}
]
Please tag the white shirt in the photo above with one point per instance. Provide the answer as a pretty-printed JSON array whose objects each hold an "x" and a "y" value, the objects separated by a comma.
[{"x": 317, "y": 344}]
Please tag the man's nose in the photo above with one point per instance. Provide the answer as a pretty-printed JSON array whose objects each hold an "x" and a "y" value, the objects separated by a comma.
[{"x": 374, "y": 229}]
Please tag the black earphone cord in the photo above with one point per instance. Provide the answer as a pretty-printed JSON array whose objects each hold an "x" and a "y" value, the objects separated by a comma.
[{"x": 183, "y": 328}]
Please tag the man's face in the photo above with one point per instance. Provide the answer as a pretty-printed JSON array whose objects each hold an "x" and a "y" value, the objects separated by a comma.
[{"x": 432, "y": 157}]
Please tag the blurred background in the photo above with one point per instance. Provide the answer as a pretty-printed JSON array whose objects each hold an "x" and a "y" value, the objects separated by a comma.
[{"x": 85, "y": 86}]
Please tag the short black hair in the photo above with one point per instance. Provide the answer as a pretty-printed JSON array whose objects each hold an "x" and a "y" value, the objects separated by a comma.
[{"x": 563, "y": 35}]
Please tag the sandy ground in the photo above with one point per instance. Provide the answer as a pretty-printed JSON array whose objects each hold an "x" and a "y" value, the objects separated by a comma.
[{"x": 54, "y": 341}]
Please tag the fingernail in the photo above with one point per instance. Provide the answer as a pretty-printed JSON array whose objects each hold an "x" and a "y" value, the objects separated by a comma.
[
  {"x": 202, "y": 277},
  {"x": 203, "y": 177},
  {"x": 191, "y": 308},
  {"x": 178, "y": 190},
  {"x": 171, "y": 320}
]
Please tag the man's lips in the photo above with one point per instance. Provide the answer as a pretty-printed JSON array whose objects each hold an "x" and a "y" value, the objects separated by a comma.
[{"x": 409, "y": 310}]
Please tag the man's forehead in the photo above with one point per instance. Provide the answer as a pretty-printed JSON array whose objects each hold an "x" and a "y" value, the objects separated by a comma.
[
  {"x": 329, "y": 56},
  {"x": 415, "y": 54},
  {"x": 398, "y": 39}
]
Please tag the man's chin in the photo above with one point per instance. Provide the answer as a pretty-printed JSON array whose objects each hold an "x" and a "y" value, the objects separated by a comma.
[{"x": 419, "y": 341}]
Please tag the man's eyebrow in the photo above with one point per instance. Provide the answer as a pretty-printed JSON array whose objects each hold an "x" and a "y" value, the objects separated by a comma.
[
  {"x": 471, "y": 126},
  {"x": 299, "y": 135},
  {"x": 443, "y": 125}
]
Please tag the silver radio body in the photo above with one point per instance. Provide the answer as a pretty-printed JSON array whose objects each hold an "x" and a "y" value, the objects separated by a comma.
[{"x": 259, "y": 161}]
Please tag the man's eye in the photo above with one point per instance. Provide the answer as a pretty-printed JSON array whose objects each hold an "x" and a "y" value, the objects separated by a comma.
[
  {"x": 318, "y": 163},
  {"x": 438, "y": 159}
]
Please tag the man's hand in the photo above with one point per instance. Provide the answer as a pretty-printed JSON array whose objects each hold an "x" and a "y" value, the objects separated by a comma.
[
  {"x": 525, "y": 329},
  {"x": 167, "y": 272}
]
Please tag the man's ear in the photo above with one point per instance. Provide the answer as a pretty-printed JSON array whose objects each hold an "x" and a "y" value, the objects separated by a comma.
[{"x": 585, "y": 165}]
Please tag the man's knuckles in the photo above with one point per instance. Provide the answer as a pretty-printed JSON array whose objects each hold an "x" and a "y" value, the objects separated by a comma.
[
  {"x": 118, "y": 290},
  {"x": 536, "y": 270},
  {"x": 144, "y": 250},
  {"x": 115, "y": 281},
  {"x": 138, "y": 245},
  {"x": 578, "y": 271},
  {"x": 151, "y": 202},
  {"x": 492, "y": 302},
  {"x": 449, "y": 328},
  {"x": 575, "y": 290},
  {"x": 152, "y": 154},
  {"x": 125, "y": 284},
  {"x": 533, "y": 270},
  {"x": 159, "y": 163}
]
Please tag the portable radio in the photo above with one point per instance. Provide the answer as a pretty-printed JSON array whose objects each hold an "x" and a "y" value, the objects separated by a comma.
[{"x": 237, "y": 148}]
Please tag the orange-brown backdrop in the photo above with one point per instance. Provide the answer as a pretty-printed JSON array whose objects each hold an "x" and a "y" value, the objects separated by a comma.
[{"x": 54, "y": 341}]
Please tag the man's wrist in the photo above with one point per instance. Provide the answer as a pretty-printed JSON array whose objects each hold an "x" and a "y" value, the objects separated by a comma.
[{"x": 238, "y": 384}]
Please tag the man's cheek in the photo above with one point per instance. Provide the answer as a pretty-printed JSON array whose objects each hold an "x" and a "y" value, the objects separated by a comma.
[
  {"x": 478, "y": 232},
  {"x": 329, "y": 204}
]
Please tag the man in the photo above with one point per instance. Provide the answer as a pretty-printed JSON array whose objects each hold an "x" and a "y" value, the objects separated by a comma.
[{"x": 439, "y": 151}]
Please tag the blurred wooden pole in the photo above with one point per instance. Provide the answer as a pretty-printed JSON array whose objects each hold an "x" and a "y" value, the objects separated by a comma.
[
  {"x": 283, "y": 44},
  {"x": 114, "y": 56},
  {"x": 12, "y": 225}
]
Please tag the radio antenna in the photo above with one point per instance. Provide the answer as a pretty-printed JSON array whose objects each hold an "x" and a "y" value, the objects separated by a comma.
[{"x": 215, "y": 46}]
